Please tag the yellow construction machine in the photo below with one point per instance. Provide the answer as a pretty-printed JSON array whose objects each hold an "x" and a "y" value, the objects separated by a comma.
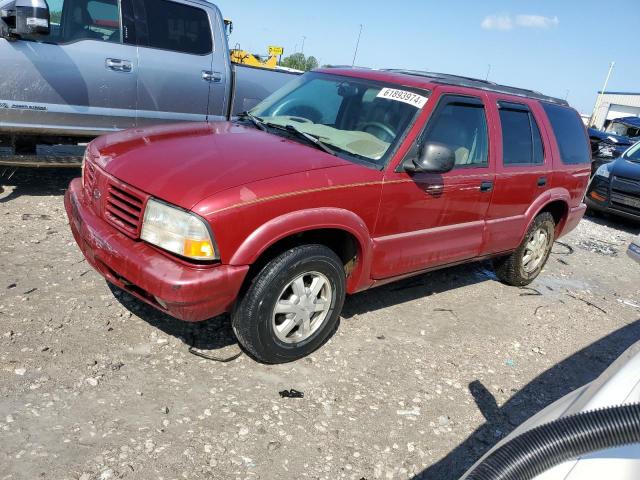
[{"x": 243, "y": 57}]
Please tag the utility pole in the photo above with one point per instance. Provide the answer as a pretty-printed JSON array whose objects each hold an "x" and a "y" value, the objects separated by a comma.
[
  {"x": 599, "y": 98},
  {"x": 357, "y": 44},
  {"x": 488, "y": 72},
  {"x": 303, "y": 39},
  {"x": 566, "y": 95}
]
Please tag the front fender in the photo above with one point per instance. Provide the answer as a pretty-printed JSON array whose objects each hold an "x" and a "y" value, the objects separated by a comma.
[{"x": 311, "y": 219}]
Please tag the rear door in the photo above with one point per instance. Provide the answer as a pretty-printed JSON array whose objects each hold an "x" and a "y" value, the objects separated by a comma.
[
  {"x": 522, "y": 171},
  {"x": 80, "y": 79},
  {"x": 427, "y": 220},
  {"x": 176, "y": 54}
]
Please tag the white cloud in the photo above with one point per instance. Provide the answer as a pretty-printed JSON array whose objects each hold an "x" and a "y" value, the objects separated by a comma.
[
  {"x": 536, "y": 21},
  {"x": 508, "y": 22},
  {"x": 497, "y": 22}
]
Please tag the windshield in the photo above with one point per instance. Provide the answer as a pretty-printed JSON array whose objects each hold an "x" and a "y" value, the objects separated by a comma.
[
  {"x": 633, "y": 153},
  {"x": 357, "y": 118}
]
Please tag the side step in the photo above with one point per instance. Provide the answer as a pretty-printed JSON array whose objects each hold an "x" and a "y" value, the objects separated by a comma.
[{"x": 54, "y": 156}]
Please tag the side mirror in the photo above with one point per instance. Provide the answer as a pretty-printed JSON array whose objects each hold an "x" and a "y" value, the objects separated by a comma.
[
  {"x": 433, "y": 157},
  {"x": 28, "y": 17}
]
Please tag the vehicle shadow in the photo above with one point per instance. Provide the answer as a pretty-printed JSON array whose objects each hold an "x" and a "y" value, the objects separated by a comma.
[
  {"x": 613, "y": 222},
  {"x": 580, "y": 368},
  {"x": 35, "y": 181},
  {"x": 217, "y": 333},
  {"x": 209, "y": 335},
  {"x": 416, "y": 287}
]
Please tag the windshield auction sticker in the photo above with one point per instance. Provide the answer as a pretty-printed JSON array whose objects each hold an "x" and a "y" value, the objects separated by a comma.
[{"x": 405, "y": 96}]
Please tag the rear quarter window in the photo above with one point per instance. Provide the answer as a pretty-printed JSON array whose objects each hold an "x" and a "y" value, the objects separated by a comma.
[{"x": 570, "y": 134}]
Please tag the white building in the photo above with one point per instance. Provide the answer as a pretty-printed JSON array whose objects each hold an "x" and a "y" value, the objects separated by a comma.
[{"x": 615, "y": 105}]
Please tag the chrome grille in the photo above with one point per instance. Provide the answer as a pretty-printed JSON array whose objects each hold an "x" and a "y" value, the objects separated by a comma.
[
  {"x": 631, "y": 182},
  {"x": 89, "y": 174},
  {"x": 123, "y": 208}
]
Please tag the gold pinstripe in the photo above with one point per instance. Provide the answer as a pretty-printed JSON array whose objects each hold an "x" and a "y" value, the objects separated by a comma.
[{"x": 309, "y": 190}]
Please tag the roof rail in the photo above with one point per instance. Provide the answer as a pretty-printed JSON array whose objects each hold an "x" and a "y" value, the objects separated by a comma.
[{"x": 457, "y": 80}]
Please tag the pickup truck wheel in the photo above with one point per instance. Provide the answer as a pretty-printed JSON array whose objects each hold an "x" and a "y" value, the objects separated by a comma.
[
  {"x": 292, "y": 305},
  {"x": 526, "y": 262}
]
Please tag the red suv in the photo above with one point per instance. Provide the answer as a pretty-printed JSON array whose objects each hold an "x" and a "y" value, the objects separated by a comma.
[{"x": 343, "y": 180}]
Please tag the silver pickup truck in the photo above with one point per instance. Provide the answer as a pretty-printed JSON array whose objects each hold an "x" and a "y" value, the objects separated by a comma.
[{"x": 71, "y": 70}]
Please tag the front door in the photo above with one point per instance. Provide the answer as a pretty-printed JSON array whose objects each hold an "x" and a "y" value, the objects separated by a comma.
[
  {"x": 80, "y": 79},
  {"x": 176, "y": 53},
  {"x": 427, "y": 220}
]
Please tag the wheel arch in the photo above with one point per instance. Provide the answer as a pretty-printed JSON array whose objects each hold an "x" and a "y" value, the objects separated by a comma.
[
  {"x": 339, "y": 229},
  {"x": 556, "y": 202}
]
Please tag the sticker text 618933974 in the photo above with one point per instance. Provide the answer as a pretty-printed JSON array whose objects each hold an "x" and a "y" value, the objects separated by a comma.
[{"x": 405, "y": 96}]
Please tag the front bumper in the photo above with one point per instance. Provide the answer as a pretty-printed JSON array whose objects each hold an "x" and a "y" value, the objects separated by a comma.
[
  {"x": 606, "y": 207},
  {"x": 188, "y": 292},
  {"x": 614, "y": 195}
]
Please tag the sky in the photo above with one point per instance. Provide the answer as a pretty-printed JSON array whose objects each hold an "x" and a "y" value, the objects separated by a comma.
[{"x": 561, "y": 48}]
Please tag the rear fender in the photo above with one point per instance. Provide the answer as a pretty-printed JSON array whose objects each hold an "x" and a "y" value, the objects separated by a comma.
[{"x": 551, "y": 195}]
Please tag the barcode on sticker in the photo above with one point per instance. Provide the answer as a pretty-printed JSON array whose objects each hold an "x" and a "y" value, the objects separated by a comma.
[{"x": 405, "y": 96}]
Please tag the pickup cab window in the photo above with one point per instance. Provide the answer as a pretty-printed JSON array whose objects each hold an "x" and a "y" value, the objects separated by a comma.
[
  {"x": 74, "y": 20},
  {"x": 357, "y": 118},
  {"x": 177, "y": 27}
]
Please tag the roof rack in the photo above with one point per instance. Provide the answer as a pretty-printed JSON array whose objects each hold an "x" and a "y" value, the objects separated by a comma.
[{"x": 457, "y": 80}]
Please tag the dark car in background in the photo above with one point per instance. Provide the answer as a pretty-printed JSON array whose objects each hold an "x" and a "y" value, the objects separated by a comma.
[
  {"x": 615, "y": 186},
  {"x": 606, "y": 147},
  {"x": 608, "y": 144}
]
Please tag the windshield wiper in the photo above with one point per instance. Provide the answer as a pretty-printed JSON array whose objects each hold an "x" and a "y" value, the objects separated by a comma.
[
  {"x": 307, "y": 136},
  {"x": 257, "y": 121}
]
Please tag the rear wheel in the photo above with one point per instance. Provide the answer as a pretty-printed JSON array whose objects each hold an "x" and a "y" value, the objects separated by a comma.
[
  {"x": 527, "y": 261},
  {"x": 292, "y": 305}
]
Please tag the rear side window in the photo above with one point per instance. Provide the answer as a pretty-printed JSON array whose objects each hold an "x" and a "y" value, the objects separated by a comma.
[
  {"x": 569, "y": 132},
  {"x": 521, "y": 142},
  {"x": 177, "y": 27}
]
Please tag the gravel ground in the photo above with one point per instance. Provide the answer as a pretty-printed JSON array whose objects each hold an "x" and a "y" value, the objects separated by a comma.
[{"x": 421, "y": 378}]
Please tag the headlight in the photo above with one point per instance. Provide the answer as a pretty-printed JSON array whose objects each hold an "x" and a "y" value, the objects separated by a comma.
[
  {"x": 177, "y": 231},
  {"x": 603, "y": 171}
]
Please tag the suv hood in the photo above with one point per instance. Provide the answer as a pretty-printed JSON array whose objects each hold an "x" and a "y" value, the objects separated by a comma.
[{"x": 182, "y": 164}]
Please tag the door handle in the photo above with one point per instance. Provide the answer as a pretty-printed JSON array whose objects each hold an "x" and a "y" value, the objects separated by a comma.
[
  {"x": 118, "y": 65},
  {"x": 435, "y": 189},
  {"x": 486, "y": 186},
  {"x": 209, "y": 76},
  {"x": 542, "y": 181}
]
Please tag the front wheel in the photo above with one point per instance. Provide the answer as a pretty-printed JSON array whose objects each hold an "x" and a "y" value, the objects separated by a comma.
[
  {"x": 292, "y": 305},
  {"x": 526, "y": 262}
]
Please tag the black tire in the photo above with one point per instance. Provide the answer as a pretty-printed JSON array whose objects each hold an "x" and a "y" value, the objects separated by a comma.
[
  {"x": 511, "y": 269},
  {"x": 252, "y": 317}
]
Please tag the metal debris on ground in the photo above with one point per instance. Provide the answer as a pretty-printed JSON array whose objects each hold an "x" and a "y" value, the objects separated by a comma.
[
  {"x": 291, "y": 393},
  {"x": 568, "y": 249},
  {"x": 206, "y": 356},
  {"x": 530, "y": 292},
  {"x": 600, "y": 247}
]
